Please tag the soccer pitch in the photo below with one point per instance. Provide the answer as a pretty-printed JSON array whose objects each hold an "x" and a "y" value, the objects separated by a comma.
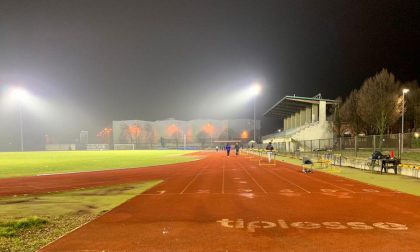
[{"x": 16, "y": 164}]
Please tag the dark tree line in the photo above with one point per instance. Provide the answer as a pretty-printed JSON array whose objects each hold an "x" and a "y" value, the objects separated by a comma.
[{"x": 376, "y": 107}]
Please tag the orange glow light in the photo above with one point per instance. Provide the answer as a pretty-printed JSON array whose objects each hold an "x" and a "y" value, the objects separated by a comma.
[
  {"x": 172, "y": 129},
  {"x": 134, "y": 130},
  {"x": 244, "y": 134},
  {"x": 208, "y": 128}
]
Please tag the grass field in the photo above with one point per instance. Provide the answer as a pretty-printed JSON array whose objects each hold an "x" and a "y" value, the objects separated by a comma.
[
  {"x": 15, "y": 164},
  {"x": 29, "y": 222}
]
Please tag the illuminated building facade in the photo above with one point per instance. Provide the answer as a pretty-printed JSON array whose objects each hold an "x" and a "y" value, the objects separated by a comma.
[{"x": 173, "y": 133}]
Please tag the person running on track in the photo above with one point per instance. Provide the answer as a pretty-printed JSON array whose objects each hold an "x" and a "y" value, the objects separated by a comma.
[
  {"x": 227, "y": 149},
  {"x": 237, "y": 149},
  {"x": 269, "y": 150}
]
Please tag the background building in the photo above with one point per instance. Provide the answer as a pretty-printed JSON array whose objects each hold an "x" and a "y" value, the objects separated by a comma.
[{"x": 174, "y": 133}]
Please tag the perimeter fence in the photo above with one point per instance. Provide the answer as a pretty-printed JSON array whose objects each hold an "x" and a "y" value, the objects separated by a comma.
[{"x": 405, "y": 146}]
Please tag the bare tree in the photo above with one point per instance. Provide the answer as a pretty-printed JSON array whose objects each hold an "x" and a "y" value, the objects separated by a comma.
[
  {"x": 149, "y": 134},
  {"x": 378, "y": 101},
  {"x": 348, "y": 112}
]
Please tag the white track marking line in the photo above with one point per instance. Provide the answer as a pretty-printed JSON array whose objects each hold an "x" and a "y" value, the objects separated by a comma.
[
  {"x": 240, "y": 165},
  {"x": 196, "y": 176},
  {"x": 323, "y": 181},
  {"x": 257, "y": 194},
  {"x": 310, "y": 177},
  {"x": 286, "y": 180}
]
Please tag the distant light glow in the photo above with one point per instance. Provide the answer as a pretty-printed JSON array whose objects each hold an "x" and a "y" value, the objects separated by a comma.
[
  {"x": 172, "y": 129},
  {"x": 244, "y": 135},
  {"x": 251, "y": 92},
  {"x": 208, "y": 128},
  {"x": 134, "y": 130},
  {"x": 416, "y": 135},
  {"x": 406, "y": 90}
]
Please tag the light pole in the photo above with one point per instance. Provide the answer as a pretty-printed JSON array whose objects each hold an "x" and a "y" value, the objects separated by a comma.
[
  {"x": 405, "y": 90},
  {"x": 255, "y": 90},
  {"x": 20, "y": 95}
]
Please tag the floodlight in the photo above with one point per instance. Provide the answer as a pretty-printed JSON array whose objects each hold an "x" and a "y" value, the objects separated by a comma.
[
  {"x": 19, "y": 94},
  {"x": 406, "y": 90},
  {"x": 255, "y": 89}
]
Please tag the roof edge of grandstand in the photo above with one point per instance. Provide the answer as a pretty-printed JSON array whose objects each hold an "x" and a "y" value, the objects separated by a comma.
[{"x": 298, "y": 99}]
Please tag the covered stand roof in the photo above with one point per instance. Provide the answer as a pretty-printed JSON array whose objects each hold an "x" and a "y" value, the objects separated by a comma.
[{"x": 292, "y": 104}]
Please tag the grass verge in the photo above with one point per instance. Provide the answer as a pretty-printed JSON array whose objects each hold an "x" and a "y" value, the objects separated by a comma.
[
  {"x": 29, "y": 222},
  {"x": 14, "y": 164}
]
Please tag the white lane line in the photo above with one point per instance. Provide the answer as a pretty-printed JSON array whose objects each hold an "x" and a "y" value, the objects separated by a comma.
[
  {"x": 240, "y": 165},
  {"x": 240, "y": 191},
  {"x": 323, "y": 181},
  {"x": 196, "y": 176},
  {"x": 286, "y": 180}
]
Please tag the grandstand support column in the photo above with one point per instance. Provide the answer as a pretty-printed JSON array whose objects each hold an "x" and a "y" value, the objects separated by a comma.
[
  {"x": 308, "y": 115},
  {"x": 302, "y": 117},
  {"x": 315, "y": 112},
  {"x": 322, "y": 111},
  {"x": 292, "y": 121}
]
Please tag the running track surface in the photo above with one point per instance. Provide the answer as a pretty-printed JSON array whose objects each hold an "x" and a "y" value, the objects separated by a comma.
[{"x": 224, "y": 203}]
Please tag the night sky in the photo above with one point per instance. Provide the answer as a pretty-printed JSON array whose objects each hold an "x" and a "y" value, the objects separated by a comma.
[{"x": 92, "y": 62}]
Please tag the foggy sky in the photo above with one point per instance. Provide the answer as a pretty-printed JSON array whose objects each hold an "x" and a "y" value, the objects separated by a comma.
[{"x": 92, "y": 62}]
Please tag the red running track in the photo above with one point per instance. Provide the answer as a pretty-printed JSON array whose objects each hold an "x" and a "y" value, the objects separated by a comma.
[{"x": 232, "y": 204}]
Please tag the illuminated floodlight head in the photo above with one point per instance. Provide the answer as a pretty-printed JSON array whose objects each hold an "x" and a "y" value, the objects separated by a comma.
[
  {"x": 255, "y": 89},
  {"x": 20, "y": 94},
  {"x": 406, "y": 90}
]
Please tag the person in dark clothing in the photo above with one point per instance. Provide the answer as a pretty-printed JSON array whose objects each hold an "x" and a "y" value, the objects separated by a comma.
[
  {"x": 269, "y": 150},
  {"x": 227, "y": 149},
  {"x": 237, "y": 149},
  {"x": 307, "y": 165}
]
